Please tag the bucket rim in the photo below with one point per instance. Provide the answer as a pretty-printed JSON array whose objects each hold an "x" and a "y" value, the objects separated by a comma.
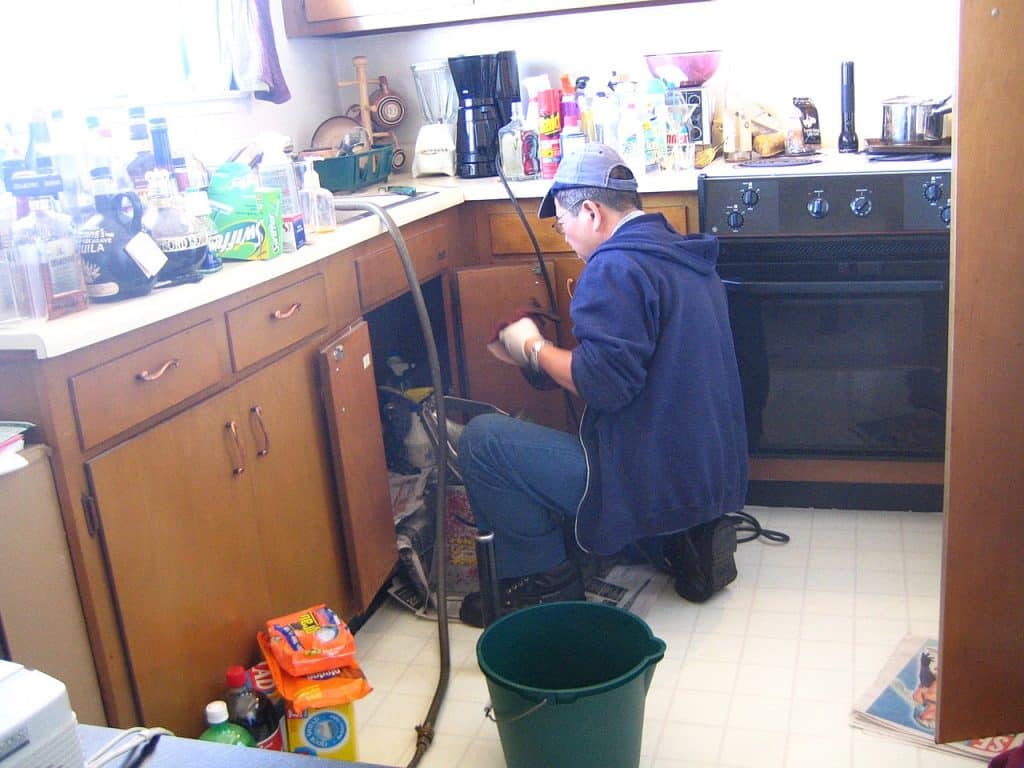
[{"x": 655, "y": 653}]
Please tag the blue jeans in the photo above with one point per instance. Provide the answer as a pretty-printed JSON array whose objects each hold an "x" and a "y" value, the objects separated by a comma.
[{"x": 522, "y": 479}]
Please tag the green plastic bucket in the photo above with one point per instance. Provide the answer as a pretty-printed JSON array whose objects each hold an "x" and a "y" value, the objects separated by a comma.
[{"x": 567, "y": 684}]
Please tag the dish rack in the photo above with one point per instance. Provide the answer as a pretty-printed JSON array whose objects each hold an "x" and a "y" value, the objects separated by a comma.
[{"x": 351, "y": 172}]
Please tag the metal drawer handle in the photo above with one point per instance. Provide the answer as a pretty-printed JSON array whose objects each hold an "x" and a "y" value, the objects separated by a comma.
[
  {"x": 147, "y": 376},
  {"x": 239, "y": 467},
  {"x": 257, "y": 415},
  {"x": 279, "y": 315}
]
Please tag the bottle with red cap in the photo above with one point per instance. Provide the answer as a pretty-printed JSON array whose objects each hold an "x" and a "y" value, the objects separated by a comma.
[{"x": 252, "y": 710}]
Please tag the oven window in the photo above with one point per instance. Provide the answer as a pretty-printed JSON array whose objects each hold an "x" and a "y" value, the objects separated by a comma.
[{"x": 853, "y": 369}]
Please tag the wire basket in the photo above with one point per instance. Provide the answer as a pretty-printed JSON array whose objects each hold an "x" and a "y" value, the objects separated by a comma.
[{"x": 351, "y": 172}]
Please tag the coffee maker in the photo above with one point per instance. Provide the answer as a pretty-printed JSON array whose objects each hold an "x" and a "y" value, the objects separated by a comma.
[{"x": 486, "y": 84}]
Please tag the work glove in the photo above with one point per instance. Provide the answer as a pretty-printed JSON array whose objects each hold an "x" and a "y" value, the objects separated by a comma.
[{"x": 511, "y": 339}]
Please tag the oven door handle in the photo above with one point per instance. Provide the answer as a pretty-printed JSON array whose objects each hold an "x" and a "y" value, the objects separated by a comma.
[{"x": 822, "y": 288}]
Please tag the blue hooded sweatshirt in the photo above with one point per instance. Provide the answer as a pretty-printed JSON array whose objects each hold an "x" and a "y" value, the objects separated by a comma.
[{"x": 663, "y": 431}]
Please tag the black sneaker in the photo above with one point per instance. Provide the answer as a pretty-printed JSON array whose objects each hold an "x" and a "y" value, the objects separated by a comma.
[
  {"x": 702, "y": 559},
  {"x": 558, "y": 584}
]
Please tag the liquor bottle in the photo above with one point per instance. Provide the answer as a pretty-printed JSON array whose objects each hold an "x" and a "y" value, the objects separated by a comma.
[
  {"x": 180, "y": 235},
  {"x": 162, "y": 157},
  {"x": 222, "y": 731},
  {"x": 120, "y": 260},
  {"x": 848, "y": 141},
  {"x": 252, "y": 710},
  {"x": 140, "y": 151},
  {"x": 10, "y": 307}
]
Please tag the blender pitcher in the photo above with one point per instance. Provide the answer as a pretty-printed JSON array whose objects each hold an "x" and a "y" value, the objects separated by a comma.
[{"x": 435, "y": 142}]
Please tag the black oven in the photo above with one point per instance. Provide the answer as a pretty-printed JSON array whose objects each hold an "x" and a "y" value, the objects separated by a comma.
[{"x": 838, "y": 293}]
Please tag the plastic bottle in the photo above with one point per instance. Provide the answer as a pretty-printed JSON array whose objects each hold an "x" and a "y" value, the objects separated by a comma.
[
  {"x": 631, "y": 137},
  {"x": 10, "y": 308},
  {"x": 252, "y": 710},
  {"x": 517, "y": 148},
  {"x": 221, "y": 731},
  {"x": 605, "y": 119},
  {"x": 317, "y": 203},
  {"x": 276, "y": 170}
]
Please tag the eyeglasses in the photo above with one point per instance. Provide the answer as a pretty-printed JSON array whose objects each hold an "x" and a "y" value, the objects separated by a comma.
[{"x": 557, "y": 223}]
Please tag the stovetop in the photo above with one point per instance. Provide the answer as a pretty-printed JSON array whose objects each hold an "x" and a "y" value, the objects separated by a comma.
[{"x": 831, "y": 162}]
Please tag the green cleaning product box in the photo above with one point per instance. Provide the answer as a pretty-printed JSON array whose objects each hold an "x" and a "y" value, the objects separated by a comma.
[{"x": 246, "y": 216}]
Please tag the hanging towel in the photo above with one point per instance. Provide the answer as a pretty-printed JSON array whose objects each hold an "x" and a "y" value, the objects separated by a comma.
[{"x": 247, "y": 42}]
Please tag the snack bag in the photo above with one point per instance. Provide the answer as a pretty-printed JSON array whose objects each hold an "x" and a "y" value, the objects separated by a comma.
[
  {"x": 333, "y": 688},
  {"x": 309, "y": 641}
]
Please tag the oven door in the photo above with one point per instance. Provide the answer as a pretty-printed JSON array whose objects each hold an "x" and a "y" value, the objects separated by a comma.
[{"x": 841, "y": 359}]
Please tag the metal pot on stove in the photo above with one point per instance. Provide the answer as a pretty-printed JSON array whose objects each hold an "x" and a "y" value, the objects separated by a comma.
[{"x": 908, "y": 120}]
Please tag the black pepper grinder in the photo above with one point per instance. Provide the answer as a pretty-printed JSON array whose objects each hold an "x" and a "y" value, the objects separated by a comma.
[{"x": 848, "y": 136}]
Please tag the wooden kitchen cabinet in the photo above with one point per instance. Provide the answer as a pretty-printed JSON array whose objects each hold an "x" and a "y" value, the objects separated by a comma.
[
  {"x": 308, "y": 18},
  {"x": 213, "y": 522}
]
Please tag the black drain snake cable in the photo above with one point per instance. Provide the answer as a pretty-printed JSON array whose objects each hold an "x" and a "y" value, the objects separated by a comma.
[
  {"x": 425, "y": 731},
  {"x": 748, "y": 524}
]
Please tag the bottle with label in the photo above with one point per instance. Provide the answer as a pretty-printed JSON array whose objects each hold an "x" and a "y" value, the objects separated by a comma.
[
  {"x": 140, "y": 152},
  {"x": 631, "y": 138},
  {"x": 222, "y": 731},
  {"x": 120, "y": 260},
  {"x": 67, "y": 144},
  {"x": 10, "y": 307},
  {"x": 549, "y": 131},
  {"x": 45, "y": 244},
  {"x": 162, "y": 157},
  {"x": 517, "y": 148},
  {"x": 605, "y": 119},
  {"x": 252, "y": 710},
  {"x": 197, "y": 203},
  {"x": 181, "y": 236}
]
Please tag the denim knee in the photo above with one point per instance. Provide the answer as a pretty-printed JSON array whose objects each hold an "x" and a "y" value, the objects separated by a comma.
[{"x": 476, "y": 440}]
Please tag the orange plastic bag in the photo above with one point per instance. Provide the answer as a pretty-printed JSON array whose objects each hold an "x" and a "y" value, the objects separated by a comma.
[
  {"x": 310, "y": 641},
  {"x": 324, "y": 689}
]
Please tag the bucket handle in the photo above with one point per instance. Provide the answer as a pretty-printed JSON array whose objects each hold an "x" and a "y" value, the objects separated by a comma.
[{"x": 489, "y": 713}]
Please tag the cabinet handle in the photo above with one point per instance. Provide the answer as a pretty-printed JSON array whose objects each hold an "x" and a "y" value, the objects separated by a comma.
[
  {"x": 147, "y": 376},
  {"x": 570, "y": 286},
  {"x": 239, "y": 467},
  {"x": 277, "y": 314},
  {"x": 257, "y": 415}
]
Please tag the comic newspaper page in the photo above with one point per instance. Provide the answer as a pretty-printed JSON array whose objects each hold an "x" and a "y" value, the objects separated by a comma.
[{"x": 903, "y": 701}]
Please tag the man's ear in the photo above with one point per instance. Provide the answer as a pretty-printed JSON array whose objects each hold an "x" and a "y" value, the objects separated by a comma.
[{"x": 595, "y": 213}]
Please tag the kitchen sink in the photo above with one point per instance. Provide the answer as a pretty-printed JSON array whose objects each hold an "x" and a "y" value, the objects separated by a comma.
[{"x": 383, "y": 199}]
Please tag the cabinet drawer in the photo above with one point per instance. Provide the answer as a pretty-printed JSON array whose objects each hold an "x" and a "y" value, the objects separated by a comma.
[
  {"x": 380, "y": 274},
  {"x": 264, "y": 326},
  {"x": 117, "y": 395}
]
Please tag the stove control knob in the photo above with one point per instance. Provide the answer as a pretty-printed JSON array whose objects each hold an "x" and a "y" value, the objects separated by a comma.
[
  {"x": 734, "y": 219},
  {"x": 818, "y": 207},
  {"x": 750, "y": 197},
  {"x": 946, "y": 215},
  {"x": 933, "y": 191},
  {"x": 861, "y": 205}
]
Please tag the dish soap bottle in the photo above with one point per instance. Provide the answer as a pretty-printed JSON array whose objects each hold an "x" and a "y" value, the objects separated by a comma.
[
  {"x": 315, "y": 202},
  {"x": 221, "y": 731}
]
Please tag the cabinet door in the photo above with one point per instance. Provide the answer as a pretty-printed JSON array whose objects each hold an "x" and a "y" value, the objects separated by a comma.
[
  {"x": 360, "y": 471},
  {"x": 186, "y": 563},
  {"x": 294, "y": 510},
  {"x": 486, "y": 297}
]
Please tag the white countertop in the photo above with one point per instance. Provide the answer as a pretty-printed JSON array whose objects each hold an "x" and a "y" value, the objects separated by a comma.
[{"x": 104, "y": 321}]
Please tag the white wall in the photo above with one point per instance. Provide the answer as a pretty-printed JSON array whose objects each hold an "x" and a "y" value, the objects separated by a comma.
[{"x": 771, "y": 51}]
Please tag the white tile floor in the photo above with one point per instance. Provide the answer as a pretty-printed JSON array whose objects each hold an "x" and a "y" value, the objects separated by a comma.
[{"x": 763, "y": 674}]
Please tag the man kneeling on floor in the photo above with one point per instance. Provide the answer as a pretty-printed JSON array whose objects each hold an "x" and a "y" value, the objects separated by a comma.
[{"x": 662, "y": 443}]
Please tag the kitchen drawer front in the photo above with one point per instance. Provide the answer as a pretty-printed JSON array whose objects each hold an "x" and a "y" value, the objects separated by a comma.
[
  {"x": 380, "y": 274},
  {"x": 114, "y": 396},
  {"x": 262, "y": 327}
]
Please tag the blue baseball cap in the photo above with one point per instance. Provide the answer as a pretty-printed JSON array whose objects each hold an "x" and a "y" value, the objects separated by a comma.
[{"x": 590, "y": 166}]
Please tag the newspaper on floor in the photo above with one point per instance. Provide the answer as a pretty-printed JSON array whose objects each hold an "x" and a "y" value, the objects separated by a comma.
[
  {"x": 406, "y": 493},
  {"x": 631, "y": 587},
  {"x": 903, "y": 701}
]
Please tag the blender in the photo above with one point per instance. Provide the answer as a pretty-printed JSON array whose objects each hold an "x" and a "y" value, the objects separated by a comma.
[{"x": 435, "y": 142}]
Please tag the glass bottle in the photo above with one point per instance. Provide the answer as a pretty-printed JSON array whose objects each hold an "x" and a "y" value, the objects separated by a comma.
[
  {"x": 140, "y": 151},
  {"x": 180, "y": 235},
  {"x": 120, "y": 260},
  {"x": 10, "y": 307},
  {"x": 162, "y": 157},
  {"x": 197, "y": 203},
  {"x": 44, "y": 239}
]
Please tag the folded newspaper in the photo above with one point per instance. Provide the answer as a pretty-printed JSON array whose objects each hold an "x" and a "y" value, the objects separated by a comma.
[{"x": 903, "y": 702}]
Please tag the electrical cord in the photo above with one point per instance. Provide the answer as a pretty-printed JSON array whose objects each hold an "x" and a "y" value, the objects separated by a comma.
[
  {"x": 425, "y": 731},
  {"x": 142, "y": 739},
  {"x": 747, "y": 523}
]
